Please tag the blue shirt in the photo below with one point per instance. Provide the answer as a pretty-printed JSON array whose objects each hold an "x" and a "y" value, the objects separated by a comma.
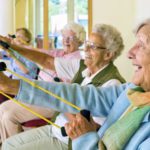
[
  {"x": 110, "y": 102},
  {"x": 32, "y": 67}
]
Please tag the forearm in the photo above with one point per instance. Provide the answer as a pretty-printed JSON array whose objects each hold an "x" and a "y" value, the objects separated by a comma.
[
  {"x": 22, "y": 67},
  {"x": 84, "y": 97},
  {"x": 13, "y": 87},
  {"x": 10, "y": 87},
  {"x": 44, "y": 60}
]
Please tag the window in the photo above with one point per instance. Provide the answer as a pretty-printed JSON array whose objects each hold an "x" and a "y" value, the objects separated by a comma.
[{"x": 60, "y": 12}]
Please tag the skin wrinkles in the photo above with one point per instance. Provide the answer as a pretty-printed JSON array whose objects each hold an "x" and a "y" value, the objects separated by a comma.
[
  {"x": 140, "y": 57},
  {"x": 70, "y": 45},
  {"x": 96, "y": 59}
]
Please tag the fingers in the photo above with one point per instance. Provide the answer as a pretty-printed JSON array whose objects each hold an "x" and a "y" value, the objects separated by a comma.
[
  {"x": 5, "y": 39},
  {"x": 73, "y": 130},
  {"x": 79, "y": 126},
  {"x": 2, "y": 38}
]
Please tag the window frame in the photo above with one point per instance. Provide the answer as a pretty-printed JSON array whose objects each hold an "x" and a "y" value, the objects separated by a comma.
[{"x": 70, "y": 18}]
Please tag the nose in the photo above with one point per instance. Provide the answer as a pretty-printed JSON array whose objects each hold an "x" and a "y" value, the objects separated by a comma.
[
  {"x": 131, "y": 53},
  {"x": 86, "y": 47},
  {"x": 66, "y": 39}
]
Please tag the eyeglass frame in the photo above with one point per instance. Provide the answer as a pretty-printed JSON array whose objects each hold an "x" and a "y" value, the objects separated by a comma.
[
  {"x": 70, "y": 38},
  {"x": 96, "y": 46}
]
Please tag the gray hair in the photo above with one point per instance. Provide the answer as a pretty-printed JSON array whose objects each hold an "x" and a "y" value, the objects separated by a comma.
[
  {"x": 112, "y": 38},
  {"x": 77, "y": 29},
  {"x": 140, "y": 25}
]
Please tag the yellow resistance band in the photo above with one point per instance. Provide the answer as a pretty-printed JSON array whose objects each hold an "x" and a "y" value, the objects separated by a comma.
[
  {"x": 15, "y": 58},
  {"x": 10, "y": 50},
  {"x": 30, "y": 110},
  {"x": 44, "y": 90}
]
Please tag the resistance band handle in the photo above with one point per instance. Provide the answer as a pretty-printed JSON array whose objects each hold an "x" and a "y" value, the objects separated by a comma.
[
  {"x": 56, "y": 79},
  {"x": 4, "y": 44},
  {"x": 3, "y": 66},
  {"x": 85, "y": 113},
  {"x": 12, "y": 36}
]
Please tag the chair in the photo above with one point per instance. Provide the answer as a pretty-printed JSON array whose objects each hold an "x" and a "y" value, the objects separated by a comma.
[
  {"x": 4, "y": 98},
  {"x": 28, "y": 124},
  {"x": 38, "y": 122},
  {"x": 34, "y": 123}
]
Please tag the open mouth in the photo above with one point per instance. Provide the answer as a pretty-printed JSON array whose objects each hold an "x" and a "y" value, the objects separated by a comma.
[
  {"x": 88, "y": 57},
  {"x": 137, "y": 67},
  {"x": 68, "y": 45}
]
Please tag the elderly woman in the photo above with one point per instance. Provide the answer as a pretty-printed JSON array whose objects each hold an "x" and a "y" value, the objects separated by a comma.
[
  {"x": 127, "y": 107},
  {"x": 12, "y": 115},
  {"x": 97, "y": 69},
  {"x": 73, "y": 36},
  {"x": 18, "y": 64}
]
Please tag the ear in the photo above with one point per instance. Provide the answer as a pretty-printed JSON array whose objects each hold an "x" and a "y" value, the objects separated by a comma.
[{"x": 108, "y": 55}]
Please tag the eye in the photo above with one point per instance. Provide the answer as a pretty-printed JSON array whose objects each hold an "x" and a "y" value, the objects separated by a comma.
[
  {"x": 93, "y": 46},
  {"x": 142, "y": 46}
]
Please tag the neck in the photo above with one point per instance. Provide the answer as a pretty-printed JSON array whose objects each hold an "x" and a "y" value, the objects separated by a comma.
[{"x": 93, "y": 70}]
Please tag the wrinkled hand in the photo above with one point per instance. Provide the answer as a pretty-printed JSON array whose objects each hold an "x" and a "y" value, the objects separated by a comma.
[
  {"x": 4, "y": 80},
  {"x": 6, "y": 40},
  {"x": 8, "y": 85},
  {"x": 79, "y": 126}
]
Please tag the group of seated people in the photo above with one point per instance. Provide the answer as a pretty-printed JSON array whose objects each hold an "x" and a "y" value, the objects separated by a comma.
[{"x": 120, "y": 112}]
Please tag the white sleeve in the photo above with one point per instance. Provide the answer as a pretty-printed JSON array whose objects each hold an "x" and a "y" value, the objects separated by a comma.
[
  {"x": 66, "y": 68},
  {"x": 111, "y": 82}
]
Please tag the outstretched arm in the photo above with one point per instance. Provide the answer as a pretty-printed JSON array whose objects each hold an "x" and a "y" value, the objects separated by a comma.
[
  {"x": 46, "y": 61},
  {"x": 8, "y": 85}
]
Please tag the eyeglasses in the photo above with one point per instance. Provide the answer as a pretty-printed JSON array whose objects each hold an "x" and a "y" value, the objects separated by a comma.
[
  {"x": 92, "y": 45},
  {"x": 70, "y": 38}
]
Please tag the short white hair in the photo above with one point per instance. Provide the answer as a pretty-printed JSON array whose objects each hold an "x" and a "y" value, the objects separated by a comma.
[
  {"x": 77, "y": 29},
  {"x": 112, "y": 38}
]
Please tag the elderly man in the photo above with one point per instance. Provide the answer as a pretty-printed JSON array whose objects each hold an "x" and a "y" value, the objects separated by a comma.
[{"x": 125, "y": 128}]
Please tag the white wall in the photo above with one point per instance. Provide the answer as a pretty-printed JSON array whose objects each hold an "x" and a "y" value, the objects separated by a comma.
[
  {"x": 6, "y": 17},
  {"x": 6, "y": 21},
  {"x": 142, "y": 10},
  {"x": 121, "y": 14}
]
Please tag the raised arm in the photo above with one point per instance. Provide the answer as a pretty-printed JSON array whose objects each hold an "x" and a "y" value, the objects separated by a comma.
[
  {"x": 8, "y": 85},
  {"x": 46, "y": 61}
]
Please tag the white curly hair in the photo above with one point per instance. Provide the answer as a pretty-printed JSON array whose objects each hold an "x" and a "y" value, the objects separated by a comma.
[
  {"x": 112, "y": 38},
  {"x": 77, "y": 29}
]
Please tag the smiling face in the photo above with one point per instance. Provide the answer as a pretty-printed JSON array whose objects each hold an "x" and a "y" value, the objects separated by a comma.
[
  {"x": 140, "y": 56},
  {"x": 21, "y": 38},
  {"x": 70, "y": 41},
  {"x": 96, "y": 55}
]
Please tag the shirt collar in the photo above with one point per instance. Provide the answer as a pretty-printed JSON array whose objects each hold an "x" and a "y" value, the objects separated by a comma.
[{"x": 86, "y": 72}]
